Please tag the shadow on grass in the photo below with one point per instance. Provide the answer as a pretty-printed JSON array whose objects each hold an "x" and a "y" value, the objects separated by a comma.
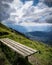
[{"x": 21, "y": 61}]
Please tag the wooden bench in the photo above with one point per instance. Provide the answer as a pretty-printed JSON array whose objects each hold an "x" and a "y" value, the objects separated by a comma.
[{"x": 19, "y": 48}]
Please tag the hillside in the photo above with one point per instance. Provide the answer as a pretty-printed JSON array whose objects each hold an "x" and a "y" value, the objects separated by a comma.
[{"x": 43, "y": 57}]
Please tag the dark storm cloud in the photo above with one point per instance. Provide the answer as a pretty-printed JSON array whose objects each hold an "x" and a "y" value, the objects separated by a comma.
[
  {"x": 4, "y": 7},
  {"x": 48, "y": 2}
]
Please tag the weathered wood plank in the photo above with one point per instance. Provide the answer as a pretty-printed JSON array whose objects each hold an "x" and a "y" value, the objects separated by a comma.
[{"x": 19, "y": 48}]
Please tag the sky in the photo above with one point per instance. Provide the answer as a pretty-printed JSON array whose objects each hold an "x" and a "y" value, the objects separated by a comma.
[{"x": 26, "y": 12}]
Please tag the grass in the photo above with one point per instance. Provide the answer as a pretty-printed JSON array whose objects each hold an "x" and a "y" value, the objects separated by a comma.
[
  {"x": 3, "y": 59},
  {"x": 43, "y": 57}
]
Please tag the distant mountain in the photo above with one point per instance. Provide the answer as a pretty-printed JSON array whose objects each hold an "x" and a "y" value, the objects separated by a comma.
[{"x": 40, "y": 36}]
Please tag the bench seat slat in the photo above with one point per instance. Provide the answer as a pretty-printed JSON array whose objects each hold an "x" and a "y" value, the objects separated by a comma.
[{"x": 19, "y": 48}]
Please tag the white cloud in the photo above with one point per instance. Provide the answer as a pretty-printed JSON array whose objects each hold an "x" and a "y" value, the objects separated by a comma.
[
  {"x": 18, "y": 14},
  {"x": 34, "y": 24},
  {"x": 26, "y": 13},
  {"x": 30, "y": 17}
]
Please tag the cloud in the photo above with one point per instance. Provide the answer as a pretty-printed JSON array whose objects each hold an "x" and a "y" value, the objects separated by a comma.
[
  {"x": 26, "y": 17},
  {"x": 37, "y": 14},
  {"x": 49, "y": 19},
  {"x": 47, "y": 2},
  {"x": 17, "y": 12}
]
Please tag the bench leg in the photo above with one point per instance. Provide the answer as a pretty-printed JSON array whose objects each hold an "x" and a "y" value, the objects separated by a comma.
[{"x": 26, "y": 58}]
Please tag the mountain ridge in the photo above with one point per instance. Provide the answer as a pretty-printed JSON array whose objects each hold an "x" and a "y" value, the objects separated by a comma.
[{"x": 42, "y": 36}]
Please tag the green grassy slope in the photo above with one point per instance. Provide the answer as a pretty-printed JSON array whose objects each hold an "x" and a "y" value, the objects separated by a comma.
[
  {"x": 43, "y": 57},
  {"x": 3, "y": 59}
]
